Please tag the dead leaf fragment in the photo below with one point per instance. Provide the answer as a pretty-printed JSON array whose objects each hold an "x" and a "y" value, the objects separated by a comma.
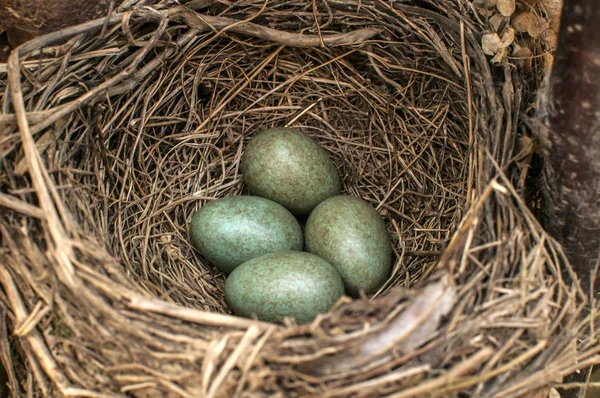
[
  {"x": 527, "y": 21},
  {"x": 500, "y": 55},
  {"x": 508, "y": 37},
  {"x": 524, "y": 56},
  {"x": 492, "y": 44},
  {"x": 550, "y": 38},
  {"x": 553, "y": 9},
  {"x": 548, "y": 61},
  {"x": 522, "y": 20},
  {"x": 484, "y": 5},
  {"x": 495, "y": 21},
  {"x": 506, "y": 7},
  {"x": 522, "y": 52}
]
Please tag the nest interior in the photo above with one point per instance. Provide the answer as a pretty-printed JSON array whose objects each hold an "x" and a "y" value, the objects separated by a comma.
[{"x": 117, "y": 130}]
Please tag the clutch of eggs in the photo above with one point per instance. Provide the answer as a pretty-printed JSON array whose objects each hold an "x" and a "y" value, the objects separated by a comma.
[{"x": 257, "y": 240}]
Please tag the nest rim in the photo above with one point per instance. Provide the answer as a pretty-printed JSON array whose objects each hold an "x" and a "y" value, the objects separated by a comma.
[{"x": 489, "y": 189}]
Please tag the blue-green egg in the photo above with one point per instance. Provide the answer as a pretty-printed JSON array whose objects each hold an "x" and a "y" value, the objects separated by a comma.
[
  {"x": 286, "y": 284},
  {"x": 288, "y": 167},
  {"x": 233, "y": 230},
  {"x": 349, "y": 234}
]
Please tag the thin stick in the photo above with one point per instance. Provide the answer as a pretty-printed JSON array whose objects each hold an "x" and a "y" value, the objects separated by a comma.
[{"x": 21, "y": 207}]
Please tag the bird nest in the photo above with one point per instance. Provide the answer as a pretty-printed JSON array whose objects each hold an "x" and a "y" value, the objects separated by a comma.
[{"x": 117, "y": 130}]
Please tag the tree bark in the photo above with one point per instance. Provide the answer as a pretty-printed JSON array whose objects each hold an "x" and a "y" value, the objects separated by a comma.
[{"x": 571, "y": 111}]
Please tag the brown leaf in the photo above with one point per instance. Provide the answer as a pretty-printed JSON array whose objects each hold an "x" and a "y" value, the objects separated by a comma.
[
  {"x": 522, "y": 52},
  {"x": 548, "y": 61},
  {"x": 500, "y": 55},
  {"x": 524, "y": 55},
  {"x": 522, "y": 20},
  {"x": 497, "y": 46},
  {"x": 484, "y": 5},
  {"x": 495, "y": 21},
  {"x": 550, "y": 38},
  {"x": 527, "y": 21},
  {"x": 491, "y": 43},
  {"x": 553, "y": 9},
  {"x": 506, "y": 7},
  {"x": 508, "y": 37}
]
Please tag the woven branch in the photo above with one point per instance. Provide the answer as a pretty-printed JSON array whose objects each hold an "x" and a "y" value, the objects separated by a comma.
[{"x": 117, "y": 130}]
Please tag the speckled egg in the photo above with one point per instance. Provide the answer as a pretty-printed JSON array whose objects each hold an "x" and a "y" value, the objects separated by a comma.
[
  {"x": 288, "y": 167},
  {"x": 285, "y": 284},
  {"x": 349, "y": 233},
  {"x": 230, "y": 231}
]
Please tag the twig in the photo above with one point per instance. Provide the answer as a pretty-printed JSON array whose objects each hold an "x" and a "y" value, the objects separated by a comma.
[{"x": 22, "y": 207}]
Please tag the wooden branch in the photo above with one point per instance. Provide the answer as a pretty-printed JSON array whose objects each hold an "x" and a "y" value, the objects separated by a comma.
[{"x": 204, "y": 23}]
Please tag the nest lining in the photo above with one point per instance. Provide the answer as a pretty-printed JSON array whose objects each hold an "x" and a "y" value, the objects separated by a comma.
[{"x": 143, "y": 117}]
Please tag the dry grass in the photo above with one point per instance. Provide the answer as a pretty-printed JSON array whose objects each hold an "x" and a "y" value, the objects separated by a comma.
[{"x": 118, "y": 130}]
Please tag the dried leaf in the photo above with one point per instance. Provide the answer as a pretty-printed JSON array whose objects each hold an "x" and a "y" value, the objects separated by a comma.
[
  {"x": 508, "y": 37},
  {"x": 491, "y": 43},
  {"x": 506, "y": 7},
  {"x": 495, "y": 21},
  {"x": 522, "y": 52},
  {"x": 548, "y": 61},
  {"x": 553, "y": 9},
  {"x": 495, "y": 45},
  {"x": 500, "y": 55},
  {"x": 527, "y": 21},
  {"x": 484, "y": 6},
  {"x": 550, "y": 38},
  {"x": 524, "y": 56}
]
